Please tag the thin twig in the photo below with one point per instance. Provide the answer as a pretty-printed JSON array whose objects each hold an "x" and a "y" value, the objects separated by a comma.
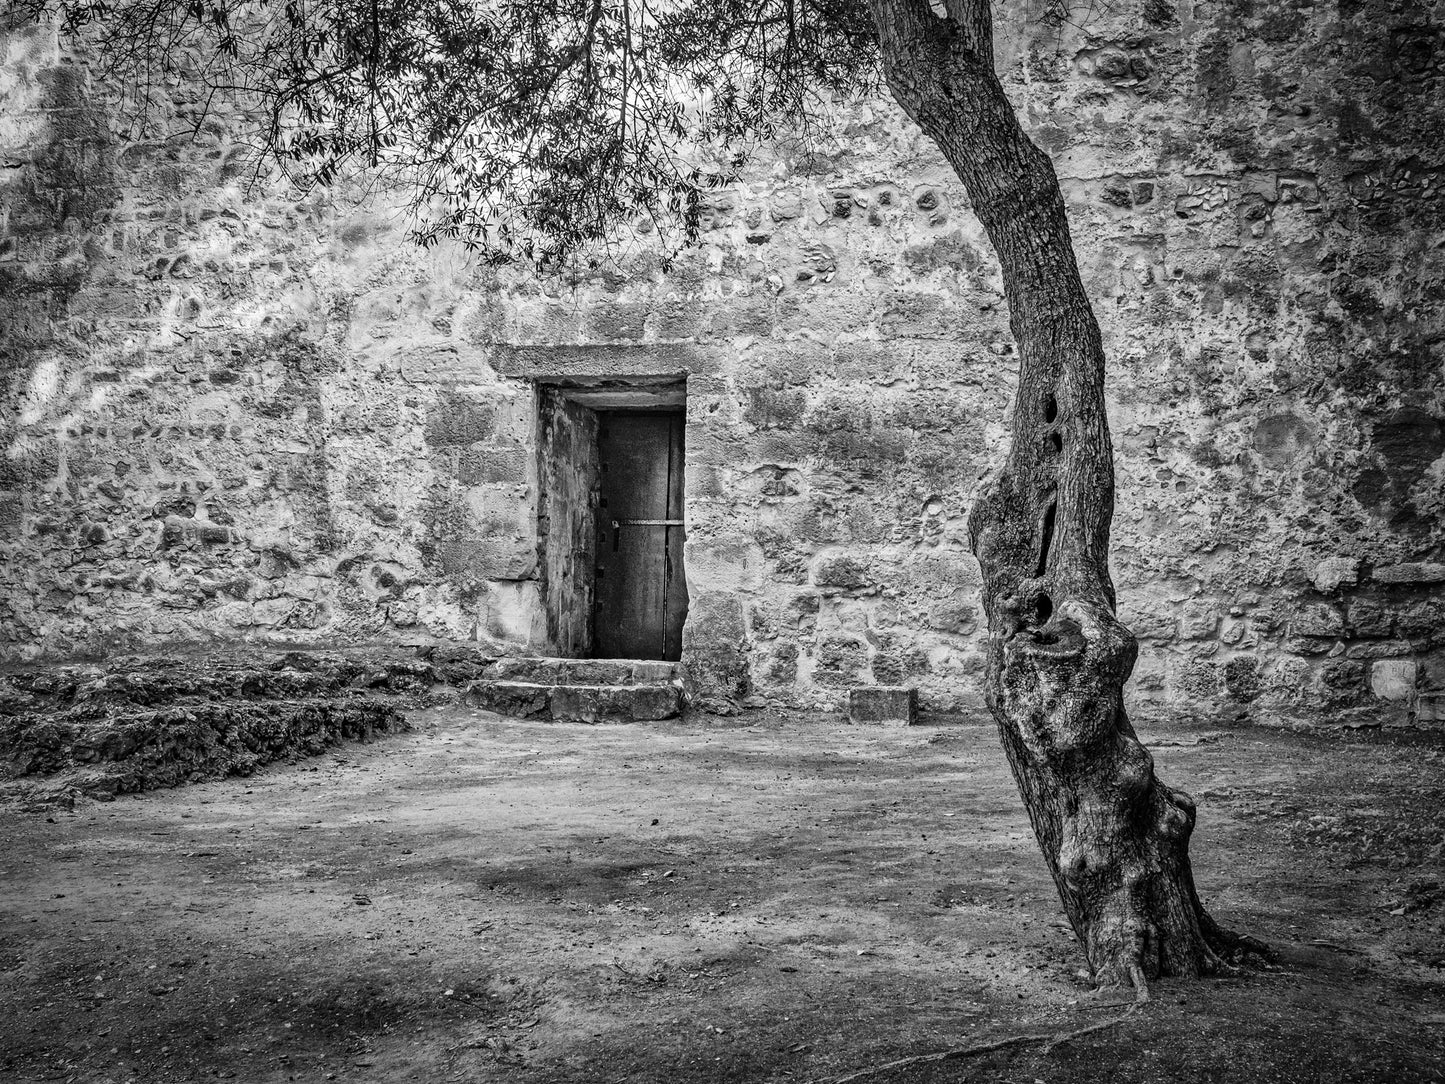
[{"x": 1050, "y": 1041}]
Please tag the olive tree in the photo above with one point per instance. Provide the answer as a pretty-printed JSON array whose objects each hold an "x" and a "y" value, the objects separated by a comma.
[{"x": 529, "y": 129}]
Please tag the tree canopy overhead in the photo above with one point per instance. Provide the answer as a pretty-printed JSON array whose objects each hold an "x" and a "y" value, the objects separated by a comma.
[{"x": 524, "y": 129}]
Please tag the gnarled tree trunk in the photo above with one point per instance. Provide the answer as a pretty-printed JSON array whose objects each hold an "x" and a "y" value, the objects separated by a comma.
[{"x": 1115, "y": 838}]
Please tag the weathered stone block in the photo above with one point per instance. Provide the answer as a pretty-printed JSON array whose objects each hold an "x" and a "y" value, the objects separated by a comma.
[
  {"x": 1236, "y": 634},
  {"x": 1430, "y": 710},
  {"x": 894, "y": 666},
  {"x": 919, "y": 316},
  {"x": 457, "y": 420},
  {"x": 715, "y": 618},
  {"x": 1380, "y": 649},
  {"x": 1393, "y": 679},
  {"x": 507, "y": 559},
  {"x": 1198, "y": 620},
  {"x": 1150, "y": 623},
  {"x": 652, "y": 702},
  {"x": 1317, "y": 619},
  {"x": 1335, "y": 572},
  {"x": 272, "y": 612},
  {"x": 1370, "y": 618},
  {"x": 953, "y": 616},
  {"x": 514, "y": 613},
  {"x": 1431, "y": 677},
  {"x": 726, "y": 563},
  {"x": 1282, "y": 439},
  {"x": 492, "y": 466},
  {"x": 1198, "y": 679},
  {"x": 469, "y": 561},
  {"x": 1412, "y": 572},
  {"x": 646, "y": 672},
  {"x": 553, "y": 671},
  {"x": 768, "y": 407},
  {"x": 678, "y": 319},
  {"x": 838, "y": 661},
  {"x": 841, "y": 570},
  {"x": 890, "y": 705},
  {"x": 714, "y": 666},
  {"x": 1242, "y": 678},
  {"x": 520, "y": 699},
  {"x": 1423, "y": 619},
  {"x": 717, "y": 678},
  {"x": 1342, "y": 680},
  {"x": 781, "y": 666},
  {"x": 179, "y": 530},
  {"x": 624, "y": 703},
  {"x": 234, "y": 614},
  {"x": 539, "y": 362},
  {"x": 745, "y": 316},
  {"x": 619, "y": 321}
]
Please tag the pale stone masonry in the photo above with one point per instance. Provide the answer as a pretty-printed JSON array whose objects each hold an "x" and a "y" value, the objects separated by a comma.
[{"x": 230, "y": 413}]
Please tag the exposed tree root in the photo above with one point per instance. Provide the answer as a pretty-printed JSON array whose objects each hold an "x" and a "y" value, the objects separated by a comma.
[
  {"x": 1141, "y": 984},
  {"x": 1050, "y": 1041},
  {"x": 1235, "y": 948}
]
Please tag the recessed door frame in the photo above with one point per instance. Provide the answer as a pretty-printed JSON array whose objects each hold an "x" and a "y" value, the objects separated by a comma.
[{"x": 568, "y": 412}]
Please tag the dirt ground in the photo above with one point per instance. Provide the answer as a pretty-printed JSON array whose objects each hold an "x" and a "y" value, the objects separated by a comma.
[{"x": 755, "y": 899}]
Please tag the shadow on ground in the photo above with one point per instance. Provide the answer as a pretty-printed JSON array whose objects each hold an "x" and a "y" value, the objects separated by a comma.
[{"x": 764, "y": 900}]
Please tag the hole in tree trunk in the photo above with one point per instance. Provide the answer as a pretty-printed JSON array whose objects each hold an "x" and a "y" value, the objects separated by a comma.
[
  {"x": 1051, "y": 409},
  {"x": 1047, "y": 540},
  {"x": 1056, "y": 441},
  {"x": 1045, "y": 608}
]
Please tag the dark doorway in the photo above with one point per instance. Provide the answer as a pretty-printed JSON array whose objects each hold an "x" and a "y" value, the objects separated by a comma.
[
  {"x": 640, "y": 591},
  {"x": 609, "y": 515}
]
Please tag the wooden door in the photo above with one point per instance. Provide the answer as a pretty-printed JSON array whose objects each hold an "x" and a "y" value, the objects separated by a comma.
[{"x": 640, "y": 591}]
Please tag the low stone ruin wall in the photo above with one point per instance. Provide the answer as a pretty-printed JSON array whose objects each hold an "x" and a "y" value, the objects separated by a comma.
[{"x": 140, "y": 723}]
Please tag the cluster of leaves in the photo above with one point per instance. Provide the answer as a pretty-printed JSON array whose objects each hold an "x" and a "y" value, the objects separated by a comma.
[{"x": 526, "y": 128}]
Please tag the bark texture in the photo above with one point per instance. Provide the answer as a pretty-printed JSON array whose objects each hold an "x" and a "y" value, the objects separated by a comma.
[{"x": 1114, "y": 836}]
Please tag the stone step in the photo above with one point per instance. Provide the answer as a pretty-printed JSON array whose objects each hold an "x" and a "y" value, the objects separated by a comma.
[
  {"x": 577, "y": 703},
  {"x": 543, "y": 671}
]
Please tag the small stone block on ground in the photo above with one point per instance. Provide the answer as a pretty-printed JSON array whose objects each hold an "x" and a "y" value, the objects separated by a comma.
[{"x": 889, "y": 705}]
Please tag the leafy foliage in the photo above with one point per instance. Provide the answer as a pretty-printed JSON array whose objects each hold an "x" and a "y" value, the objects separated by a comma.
[{"x": 525, "y": 128}]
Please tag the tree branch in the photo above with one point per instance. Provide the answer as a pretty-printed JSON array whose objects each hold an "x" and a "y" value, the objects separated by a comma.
[
  {"x": 567, "y": 119},
  {"x": 903, "y": 24}
]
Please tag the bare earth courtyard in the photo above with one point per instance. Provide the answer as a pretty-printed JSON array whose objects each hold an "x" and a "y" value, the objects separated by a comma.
[{"x": 754, "y": 899}]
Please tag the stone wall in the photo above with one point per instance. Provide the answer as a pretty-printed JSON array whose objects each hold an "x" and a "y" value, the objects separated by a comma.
[{"x": 233, "y": 412}]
